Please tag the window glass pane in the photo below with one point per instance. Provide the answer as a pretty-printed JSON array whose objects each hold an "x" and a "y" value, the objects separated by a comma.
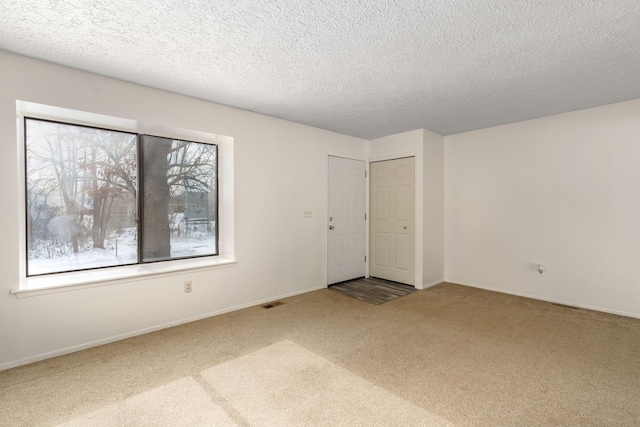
[
  {"x": 81, "y": 197},
  {"x": 180, "y": 199}
]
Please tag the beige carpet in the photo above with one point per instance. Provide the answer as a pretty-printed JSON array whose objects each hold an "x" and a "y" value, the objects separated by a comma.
[{"x": 449, "y": 355}]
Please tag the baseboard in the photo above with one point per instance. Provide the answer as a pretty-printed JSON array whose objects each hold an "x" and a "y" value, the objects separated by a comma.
[
  {"x": 542, "y": 298},
  {"x": 73, "y": 349},
  {"x": 432, "y": 284}
]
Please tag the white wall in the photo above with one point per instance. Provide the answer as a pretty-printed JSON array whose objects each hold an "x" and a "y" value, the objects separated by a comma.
[
  {"x": 563, "y": 191},
  {"x": 433, "y": 201},
  {"x": 279, "y": 171}
]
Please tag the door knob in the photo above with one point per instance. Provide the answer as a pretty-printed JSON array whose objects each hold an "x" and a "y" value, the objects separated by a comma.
[
  {"x": 405, "y": 227},
  {"x": 331, "y": 227}
]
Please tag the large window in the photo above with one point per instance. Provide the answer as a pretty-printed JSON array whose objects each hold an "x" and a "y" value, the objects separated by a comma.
[{"x": 102, "y": 198}]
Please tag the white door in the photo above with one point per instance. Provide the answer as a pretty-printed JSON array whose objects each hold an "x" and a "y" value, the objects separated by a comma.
[
  {"x": 346, "y": 220},
  {"x": 392, "y": 236}
]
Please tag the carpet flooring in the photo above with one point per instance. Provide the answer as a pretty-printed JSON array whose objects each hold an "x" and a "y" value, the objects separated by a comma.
[
  {"x": 447, "y": 355},
  {"x": 373, "y": 290}
]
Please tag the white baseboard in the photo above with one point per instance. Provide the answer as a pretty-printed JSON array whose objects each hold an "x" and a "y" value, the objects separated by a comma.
[
  {"x": 543, "y": 298},
  {"x": 73, "y": 349},
  {"x": 432, "y": 284}
]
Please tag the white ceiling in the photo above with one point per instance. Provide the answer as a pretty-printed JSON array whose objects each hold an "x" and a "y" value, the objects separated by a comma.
[{"x": 367, "y": 68}]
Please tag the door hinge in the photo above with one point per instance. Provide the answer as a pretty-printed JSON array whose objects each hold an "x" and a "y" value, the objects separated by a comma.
[
  {"x": 365, "y": 174},
  {"x": 365, "y": 216},
  {"x": 365, "y": 258}
]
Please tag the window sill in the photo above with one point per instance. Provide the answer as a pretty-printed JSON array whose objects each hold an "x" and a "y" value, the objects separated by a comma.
[{"x": 34, "y": 286}]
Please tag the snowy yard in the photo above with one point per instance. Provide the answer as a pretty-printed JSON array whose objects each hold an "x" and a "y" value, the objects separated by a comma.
[{"x": 119, "y": 249}]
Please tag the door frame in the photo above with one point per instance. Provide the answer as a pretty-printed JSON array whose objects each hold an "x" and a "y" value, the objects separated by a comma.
[
  {"x": 325, "y": 212},
  {"x": 384, "y": 176},
  {"x": 419, "y": 211}
]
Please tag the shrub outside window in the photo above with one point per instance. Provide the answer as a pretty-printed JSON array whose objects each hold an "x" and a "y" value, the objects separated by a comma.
[{"x": 102, "y": 198}]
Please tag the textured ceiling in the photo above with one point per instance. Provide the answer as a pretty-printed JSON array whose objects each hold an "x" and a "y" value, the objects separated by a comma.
[{"x": 367, "y": 68}]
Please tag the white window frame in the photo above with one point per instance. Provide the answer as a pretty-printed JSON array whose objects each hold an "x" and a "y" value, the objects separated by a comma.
[{"x": 59, "y": 282}]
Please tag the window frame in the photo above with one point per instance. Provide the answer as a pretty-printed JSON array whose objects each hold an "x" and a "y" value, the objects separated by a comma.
[
  {"x": 100, "y": 276},
  {"x": 25, "y": 218},
  {"x": 140, "y": 199}
]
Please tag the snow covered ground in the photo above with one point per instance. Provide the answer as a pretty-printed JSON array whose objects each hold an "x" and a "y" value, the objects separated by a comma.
[{"x": 119, "y": 250}]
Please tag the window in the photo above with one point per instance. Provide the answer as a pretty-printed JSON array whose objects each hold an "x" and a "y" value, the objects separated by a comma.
[{"x": 101, "y": 198}]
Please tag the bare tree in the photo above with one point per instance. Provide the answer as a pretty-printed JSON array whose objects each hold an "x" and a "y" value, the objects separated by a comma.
[
  {"x": 84, "y": 176},
  {"x": 85, "y": 170},
  {"x": 54, "y": 170},
  {"x": 167, "y": 163},
  {"x": 112, "y": 166},
  {"x": 156, "y": 232}
]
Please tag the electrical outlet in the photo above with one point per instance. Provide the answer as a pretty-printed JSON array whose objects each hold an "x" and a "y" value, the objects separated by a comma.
[
  {"x": 541, "y": 269},
  {"x": 306, "y": 213},
  {"x": 187, "y": 286}
]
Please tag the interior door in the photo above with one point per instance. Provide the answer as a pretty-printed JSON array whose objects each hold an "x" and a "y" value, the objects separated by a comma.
[
  {"x": 346, "y": 220},
  {"x": 392, "y": 233}
]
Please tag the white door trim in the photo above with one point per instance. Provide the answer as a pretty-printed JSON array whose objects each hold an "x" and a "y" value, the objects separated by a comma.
[
  {"x": 325, "y": 211},
  {"x": 347, "y": 225},
  {"x": 419, "y": 211},
  {"x": 392, "y": 226}
]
